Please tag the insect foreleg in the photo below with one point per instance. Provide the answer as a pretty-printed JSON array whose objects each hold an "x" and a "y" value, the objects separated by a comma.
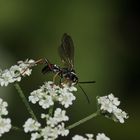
[{"x": 54, "y": 77}]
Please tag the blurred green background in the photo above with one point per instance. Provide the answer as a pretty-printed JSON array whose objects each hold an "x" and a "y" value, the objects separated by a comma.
[{"x": 106, "y": 35}]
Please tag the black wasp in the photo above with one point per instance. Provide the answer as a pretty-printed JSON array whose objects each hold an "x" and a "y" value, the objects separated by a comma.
[{"x": 66, "y": 52}]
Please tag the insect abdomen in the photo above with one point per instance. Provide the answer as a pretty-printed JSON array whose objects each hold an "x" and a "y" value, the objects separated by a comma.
[{"x": 46, "y": 69}]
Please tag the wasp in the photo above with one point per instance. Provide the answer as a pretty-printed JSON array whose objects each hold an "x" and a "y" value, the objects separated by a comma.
[{"x": 66, "y": 53}]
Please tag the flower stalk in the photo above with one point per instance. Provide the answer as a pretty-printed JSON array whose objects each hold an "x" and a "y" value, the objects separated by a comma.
[
  {"x": 93, "y": 115},
  {"x": 15, "y": 128},
  {"x": 21, "y": 94},
  {"x": 51, "y": 110}
]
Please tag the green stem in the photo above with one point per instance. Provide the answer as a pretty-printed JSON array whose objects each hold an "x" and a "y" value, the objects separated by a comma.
[
  {"x": 16, "y": 128},
  {"x": 83, "y": 120},
  {"x": 25, "y": 101},
  {"x": 51, "y": 110}
]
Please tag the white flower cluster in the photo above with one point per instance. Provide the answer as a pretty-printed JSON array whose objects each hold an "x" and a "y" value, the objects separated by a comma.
[
  {"x": 5, "y": 123},
  {"x": 54, "y": 126},
  {"x": 15, "y": 72},
  {"x": 109, "y": 107},
  {"x": 100, "y": 136},
  {"x": 31, "y": 125},
  {"x": 49, "y": 93}
]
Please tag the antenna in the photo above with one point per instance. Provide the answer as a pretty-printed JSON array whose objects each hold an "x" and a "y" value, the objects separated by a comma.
[
  {"x": 87, "y": 82},
  {"x": 84, "y": 93}
]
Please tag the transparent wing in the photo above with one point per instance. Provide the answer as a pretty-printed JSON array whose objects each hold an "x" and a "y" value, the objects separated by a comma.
[{"x": 66, "y": 51}]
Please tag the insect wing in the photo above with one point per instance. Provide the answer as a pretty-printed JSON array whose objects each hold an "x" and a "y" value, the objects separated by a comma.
[{"x": 66, "y": 51}]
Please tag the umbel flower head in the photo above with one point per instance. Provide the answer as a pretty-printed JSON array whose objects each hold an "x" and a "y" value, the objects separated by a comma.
[
  {"x": 15, "y": 72},
  {"x": 49, "y": 93},
  {"x": 108, "y": 106},
  {"x": 99, "y": 136},
  {"x": 54, "y": 126},
  {"x": 5, "y": 123}
]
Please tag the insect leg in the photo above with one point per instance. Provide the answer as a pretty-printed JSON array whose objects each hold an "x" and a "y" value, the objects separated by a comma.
[
  {"x": 60, "y": 80},
  {"x": 54, "y": 77},
  {"x": 40, "y": 61}
]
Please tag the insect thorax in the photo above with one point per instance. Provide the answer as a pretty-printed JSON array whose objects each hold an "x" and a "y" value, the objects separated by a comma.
[
  {"x": 55, "y": 68},
  {"x": 69, "y": 74}
]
